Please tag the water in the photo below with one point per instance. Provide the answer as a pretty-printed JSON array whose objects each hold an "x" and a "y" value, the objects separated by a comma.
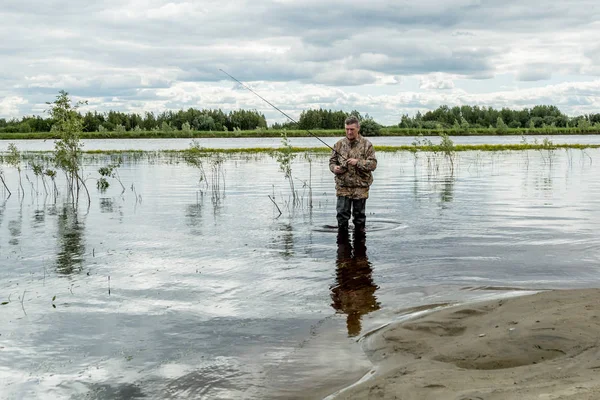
[
  {"x": 172, "y": 289},
  {"x": 310, "y": 142}
]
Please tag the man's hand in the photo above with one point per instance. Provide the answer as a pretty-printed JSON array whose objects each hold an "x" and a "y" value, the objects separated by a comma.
[
  {"x": 338, "y": 170},
  {"x": 352, "y": 161}
]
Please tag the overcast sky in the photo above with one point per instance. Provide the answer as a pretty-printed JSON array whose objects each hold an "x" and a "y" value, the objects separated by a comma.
[{"x": 384, "y": 58}]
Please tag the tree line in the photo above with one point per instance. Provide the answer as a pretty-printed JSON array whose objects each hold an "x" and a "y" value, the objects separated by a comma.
[
  {"x": 115, "y": 121},
  {"x": 463, "y": 118},
  {"x": 477, "y": 117}
]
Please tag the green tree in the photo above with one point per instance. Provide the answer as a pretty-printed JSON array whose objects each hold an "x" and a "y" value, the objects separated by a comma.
[
  {"x": 204, "y": 122},
  {"x": 368, "y": 127},
  {"x": 464, "y": 125},
  {"x": 186, "y": 127},
  {"x": 68, "y": 123},
  {"x": 501, "y": 127}
]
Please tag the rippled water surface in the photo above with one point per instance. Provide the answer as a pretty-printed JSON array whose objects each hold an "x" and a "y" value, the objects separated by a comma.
[{"x": 180, "y": 289}]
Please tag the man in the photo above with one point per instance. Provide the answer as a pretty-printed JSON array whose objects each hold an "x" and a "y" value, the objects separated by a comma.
[{"x": 352, "y": 161}]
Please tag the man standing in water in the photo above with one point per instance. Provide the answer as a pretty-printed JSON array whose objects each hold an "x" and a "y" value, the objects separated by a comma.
[{"x": 352, "y": 161}]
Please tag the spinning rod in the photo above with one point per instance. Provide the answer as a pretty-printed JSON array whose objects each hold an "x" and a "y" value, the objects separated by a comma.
[{"x": 288, "y": 117}]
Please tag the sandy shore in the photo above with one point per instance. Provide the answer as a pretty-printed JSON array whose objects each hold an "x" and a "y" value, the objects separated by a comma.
[{"x": 541, "y": 346}]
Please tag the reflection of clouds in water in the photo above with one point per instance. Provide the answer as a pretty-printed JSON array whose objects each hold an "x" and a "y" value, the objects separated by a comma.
[
  {"x": 174, "y": 293},
  {"x": 212, "y": 382},
  {"x": 354, "y": 291}
]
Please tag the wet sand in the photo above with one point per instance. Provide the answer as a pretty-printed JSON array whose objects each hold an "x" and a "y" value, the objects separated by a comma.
[{"x": 540, "y": 346}]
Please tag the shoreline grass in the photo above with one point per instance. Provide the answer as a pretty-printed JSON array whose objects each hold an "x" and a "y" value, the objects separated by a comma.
[
  {"x": 387, "y": 149},
  {"x": 276, "y": 133}
]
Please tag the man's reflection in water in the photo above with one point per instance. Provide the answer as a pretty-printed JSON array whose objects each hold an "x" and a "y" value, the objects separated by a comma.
[{"x": 354, "y": 291}]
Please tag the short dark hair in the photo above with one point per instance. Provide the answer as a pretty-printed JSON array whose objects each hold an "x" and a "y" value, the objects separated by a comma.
[{"x": 352, "y": 120}]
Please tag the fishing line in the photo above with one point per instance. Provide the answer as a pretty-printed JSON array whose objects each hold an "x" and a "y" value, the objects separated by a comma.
[{"x": 290, "y": 118}]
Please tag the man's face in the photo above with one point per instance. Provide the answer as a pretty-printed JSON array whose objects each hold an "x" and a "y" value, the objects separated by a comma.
[{"x": 352, "y": 131}]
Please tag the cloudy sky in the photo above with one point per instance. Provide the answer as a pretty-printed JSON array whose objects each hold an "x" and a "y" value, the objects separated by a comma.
[{"x": 384, "y": 58}]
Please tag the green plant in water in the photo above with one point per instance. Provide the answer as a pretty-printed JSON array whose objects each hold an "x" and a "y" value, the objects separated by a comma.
[
  {"x": 216, "y": 168},
  {"x": 109, "y": 171},
  {"x": 50, "y": 173},
  {"x": 524, "y": 143},
  {"x": 549, "y": 146},
  {"x": 418, "y": 144},
  {"x": 523, "y": 139},
  {"x": 194, "y": 157},
  {"x": 14, "y": 160},
  {"x": 68, "y": 123},
  {"x": 447, "y": 147},
  {"x": 102, "y": 184},
  {"x": 285, "y": 156},
  {"x": 309, "y": 159},
  {"x": 38, "y": 171},
  {"x": 3, "y": 181}
]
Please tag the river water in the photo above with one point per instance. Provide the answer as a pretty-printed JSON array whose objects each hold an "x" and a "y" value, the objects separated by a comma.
[
  {"x": 169, "y": 287},
  {"x": 310, "y": 142}
]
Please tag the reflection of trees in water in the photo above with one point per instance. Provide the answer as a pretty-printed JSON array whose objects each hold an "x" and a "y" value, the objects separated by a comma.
[
  {"x": 354, "y": 291},
  {"x": 2, "y": 208},
  {"x": 447, "y": 192},
  {"x": 106, "y": 205},
  {"x": 193, "y": 216},
  {"x": 543, "y": 182},
  {"x": 71, "y": 243},
  {"x": 109, "y": 206},
  {"x": 284, "y": 241},
  {"x": 39, "y": 217},
  {"x": 15, "y": 227}
]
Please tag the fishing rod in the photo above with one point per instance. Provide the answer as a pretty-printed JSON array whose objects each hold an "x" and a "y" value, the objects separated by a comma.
[{"x": 290, "y": 118}]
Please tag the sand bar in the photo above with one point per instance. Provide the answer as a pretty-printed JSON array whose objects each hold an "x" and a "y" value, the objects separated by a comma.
[{"x": 540, "y": 346}]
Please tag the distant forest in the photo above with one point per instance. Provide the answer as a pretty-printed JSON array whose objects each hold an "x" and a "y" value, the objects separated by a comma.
[{"x": 463, "y": 118}]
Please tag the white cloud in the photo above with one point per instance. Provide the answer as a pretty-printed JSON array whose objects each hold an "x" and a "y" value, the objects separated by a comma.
[
  {"x": 378, "y": 57},
  {"x": 437, "y": 82},
  {"x": 9, "y": 106}
]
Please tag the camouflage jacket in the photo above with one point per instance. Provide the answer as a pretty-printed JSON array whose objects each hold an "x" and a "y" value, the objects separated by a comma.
[{"x": 355, "y": 180}]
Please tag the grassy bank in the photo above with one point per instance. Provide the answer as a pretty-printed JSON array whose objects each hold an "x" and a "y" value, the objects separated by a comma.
[
  {"x": 413, "y": 149},
  {"x": 386, "y": 131}
]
